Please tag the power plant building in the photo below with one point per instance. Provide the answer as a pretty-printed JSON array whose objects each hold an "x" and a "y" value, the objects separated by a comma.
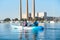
[
  {"x": 27, "y": 11},
  {"x": 42, "y": 14},
  {"x": 32, "y": 14},
  {"x": 24, "y": 16}
]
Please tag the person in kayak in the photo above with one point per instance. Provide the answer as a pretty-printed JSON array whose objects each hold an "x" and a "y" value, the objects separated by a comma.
[
  {"x": 25, "y": 23},
  {"x": 35, "y": 23}
]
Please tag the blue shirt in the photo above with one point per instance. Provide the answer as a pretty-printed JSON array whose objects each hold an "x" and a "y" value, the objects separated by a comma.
[{"x": 35, "y": 23}]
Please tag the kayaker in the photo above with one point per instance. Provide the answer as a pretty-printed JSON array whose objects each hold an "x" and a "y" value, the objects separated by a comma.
[
  {"x": 35, "y": 23},
  {"x": 25, "y": 23}
]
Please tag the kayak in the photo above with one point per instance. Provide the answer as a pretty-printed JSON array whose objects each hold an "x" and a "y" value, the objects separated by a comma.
[{"x": 34, "y": 28}]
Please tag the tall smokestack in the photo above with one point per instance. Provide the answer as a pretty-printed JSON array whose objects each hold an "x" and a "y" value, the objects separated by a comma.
[
  {"x": 33, "y": 9},
  {"x": 20, "y": 9},
  {"x": 27, "y": 8}
]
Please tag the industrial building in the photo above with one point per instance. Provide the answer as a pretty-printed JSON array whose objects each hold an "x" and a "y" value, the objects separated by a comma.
[
  {"x": 26, "y": 14},
  {"x": 31, "y": 15}
]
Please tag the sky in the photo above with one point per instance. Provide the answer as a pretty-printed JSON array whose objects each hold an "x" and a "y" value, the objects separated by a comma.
[{"x": 10, "y": 8}]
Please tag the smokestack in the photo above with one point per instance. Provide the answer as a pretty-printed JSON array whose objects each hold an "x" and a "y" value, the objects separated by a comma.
[
  {"x": 20, "y": 9},
  {"x": 27, "y": 8},
  {"x": 33, "y": 9}
]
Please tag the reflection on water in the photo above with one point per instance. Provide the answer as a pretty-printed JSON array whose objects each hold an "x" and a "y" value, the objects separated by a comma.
[
  {"x": 6, "y": 33},
  {"x": 51, "y": 32}
]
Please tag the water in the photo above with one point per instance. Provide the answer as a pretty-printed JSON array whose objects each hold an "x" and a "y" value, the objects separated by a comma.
[{"x": 51, "y": 32}]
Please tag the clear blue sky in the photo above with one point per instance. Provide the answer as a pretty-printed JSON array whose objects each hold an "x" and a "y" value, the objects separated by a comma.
[{"x": 10, "y": 8}]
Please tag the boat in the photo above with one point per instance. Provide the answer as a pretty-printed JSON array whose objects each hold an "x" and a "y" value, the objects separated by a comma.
[
  {"x": 52, "y": 22},
  {"x": 20, "y": 28}
]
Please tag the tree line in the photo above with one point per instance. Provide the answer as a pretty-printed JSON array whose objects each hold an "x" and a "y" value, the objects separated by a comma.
[{"x": 8, "y": 19}]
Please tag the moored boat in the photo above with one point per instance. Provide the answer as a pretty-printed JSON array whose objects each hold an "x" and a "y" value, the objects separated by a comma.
[{"x": 52, "y": 22}]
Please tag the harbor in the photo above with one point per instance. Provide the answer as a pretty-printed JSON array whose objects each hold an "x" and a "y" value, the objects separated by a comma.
[
  {"x": 29, "y": 20},
  {"x": 51, "y": 32}
]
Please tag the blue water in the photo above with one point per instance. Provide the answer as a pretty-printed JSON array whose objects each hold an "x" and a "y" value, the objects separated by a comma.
[{"x": 51, "y": 32}]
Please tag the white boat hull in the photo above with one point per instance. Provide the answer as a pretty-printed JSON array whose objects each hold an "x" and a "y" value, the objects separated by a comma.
[{"x": 21, "y": 27}]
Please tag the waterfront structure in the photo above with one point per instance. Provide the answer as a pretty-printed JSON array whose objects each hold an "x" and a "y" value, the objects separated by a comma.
[
  {"x": 33, "y": 9},
  {"x": 24, "y": 16},
  {"x": 42, "y": 15},
  {"x": 29, "y": 15},
  {"x": 37, "y": 15},
  {"x": 26, "y": 9},
  {"x": 20, "y": 9},
  {"x": 50, "y": 18},
  {"x": 32, "y": 15}
]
